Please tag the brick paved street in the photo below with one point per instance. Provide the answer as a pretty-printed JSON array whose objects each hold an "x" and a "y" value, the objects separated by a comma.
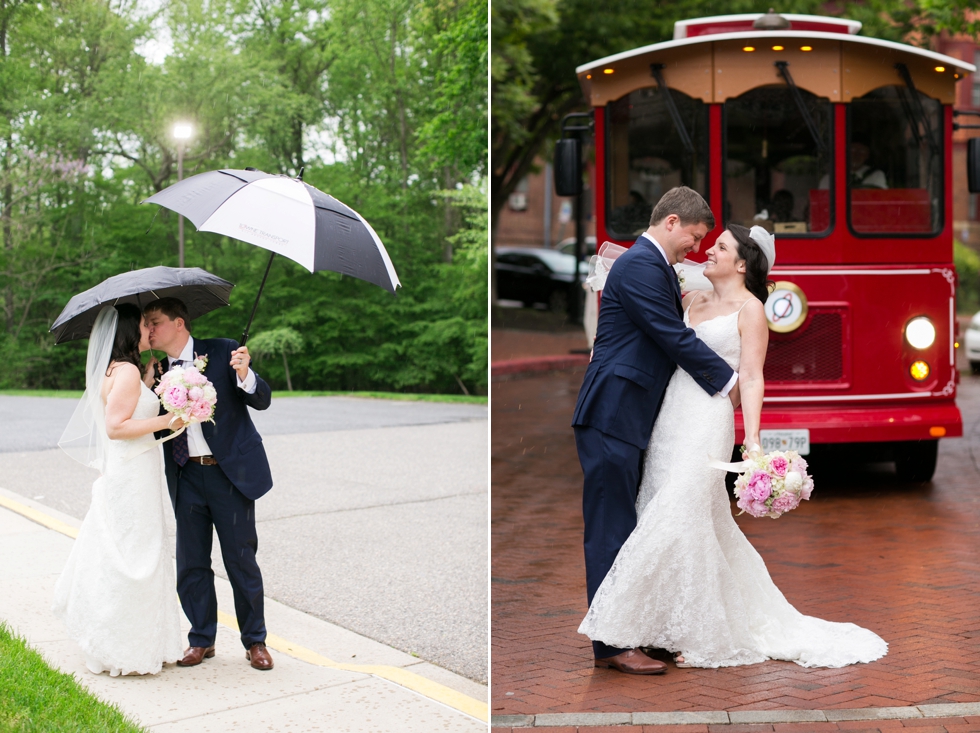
[
  {"x": 922, "y": 725},
  {"x": 513, "y": 344},
  {"x": 901, "y": 560}
]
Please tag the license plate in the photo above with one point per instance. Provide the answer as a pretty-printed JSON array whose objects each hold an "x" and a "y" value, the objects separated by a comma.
[{"x": 783, "y": 440}]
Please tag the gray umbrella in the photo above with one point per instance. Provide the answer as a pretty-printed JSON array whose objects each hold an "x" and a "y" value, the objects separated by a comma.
[
  {"x": 199, "y": 290},
  {"x": 285, "y": 216}
]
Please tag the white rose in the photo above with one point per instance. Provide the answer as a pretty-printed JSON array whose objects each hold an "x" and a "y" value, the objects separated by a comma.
[{"x": 793, "y": 481}]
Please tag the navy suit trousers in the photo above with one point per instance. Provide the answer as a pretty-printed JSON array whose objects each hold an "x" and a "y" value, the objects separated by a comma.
[
  {"x": 206, "y": 498},
  {"x": 612, "y": 479}
]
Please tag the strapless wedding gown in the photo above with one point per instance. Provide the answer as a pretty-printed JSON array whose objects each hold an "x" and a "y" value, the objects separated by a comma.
[
  {"x": 117, "y": 595},
  {"x": 687, "y": 579}
]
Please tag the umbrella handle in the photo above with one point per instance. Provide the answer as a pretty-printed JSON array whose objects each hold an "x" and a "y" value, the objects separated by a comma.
[{"x": 256, "y": 305}]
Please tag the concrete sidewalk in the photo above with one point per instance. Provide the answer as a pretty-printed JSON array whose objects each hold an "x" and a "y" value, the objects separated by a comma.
[{"x": 326, "y": 678}]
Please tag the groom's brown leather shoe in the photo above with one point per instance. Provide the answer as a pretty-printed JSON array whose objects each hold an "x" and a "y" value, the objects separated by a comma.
[
  {"x": 259, "y": 656},
  {"x": 195, "y": 655},
  {"x": 633, "y": 661}
]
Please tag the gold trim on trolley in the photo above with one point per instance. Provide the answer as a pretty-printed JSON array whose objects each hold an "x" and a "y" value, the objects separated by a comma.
[{"x": 782, "y": 318}]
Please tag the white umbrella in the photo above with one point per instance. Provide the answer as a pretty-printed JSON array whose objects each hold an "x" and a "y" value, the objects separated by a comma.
[{"x": 285, "y": 216}]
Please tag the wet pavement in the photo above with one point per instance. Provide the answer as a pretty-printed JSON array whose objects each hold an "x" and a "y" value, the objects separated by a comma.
[
  {"x": 902, "y": 560},
  {"x": 510, "y": 344}
]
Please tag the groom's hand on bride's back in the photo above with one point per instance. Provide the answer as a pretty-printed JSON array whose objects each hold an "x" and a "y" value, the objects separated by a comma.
[{"x": 152, "y": 371}]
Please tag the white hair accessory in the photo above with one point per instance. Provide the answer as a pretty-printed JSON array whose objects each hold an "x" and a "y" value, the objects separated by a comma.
[{"x": 766, "y": 242}]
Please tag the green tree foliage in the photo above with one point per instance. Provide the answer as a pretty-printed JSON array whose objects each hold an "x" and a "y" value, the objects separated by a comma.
[
  {"x": 359, "y": 94},
  {"x": 914, "y": 21},
  {"x": 283, "y": 341},
  {"x": 967, "y": 263}
]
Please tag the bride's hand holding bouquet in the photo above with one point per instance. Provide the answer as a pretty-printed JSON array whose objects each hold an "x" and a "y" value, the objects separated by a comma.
[{"x": 771, "y": 484}]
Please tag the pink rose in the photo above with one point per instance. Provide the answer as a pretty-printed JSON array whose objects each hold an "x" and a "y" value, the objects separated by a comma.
[
  {"x": 195, "y": 394},
  {"x": 758, "y": 508},
  {"x": 807, "y": 489},
  {"x": 786, "y": 502},
  {"x": 755, "y": 508},
  {"x": 201, "y": 411},
  {"x": 760, "y": 486},
  {"x": 779, "y": 465},
  {"x": 175, "y": 396},
  {"x": 194, "y": 377}
]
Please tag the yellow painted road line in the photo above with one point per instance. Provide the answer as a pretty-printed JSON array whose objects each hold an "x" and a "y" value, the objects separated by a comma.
[
  {"x": 417, "y": 683},
  {"x": 35, "y": 516}
]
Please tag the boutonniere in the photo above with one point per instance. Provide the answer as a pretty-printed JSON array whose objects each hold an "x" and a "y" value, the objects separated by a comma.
[
  {"x": 201, "y": 362},
  {"x": 680, "y": 279}
]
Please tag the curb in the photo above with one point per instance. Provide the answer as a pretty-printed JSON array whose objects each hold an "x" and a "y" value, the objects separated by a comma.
[
  {"x": 423, "y": 686},
  {"x": 516, "y": 368},
  {"x": 743, "y": 717}
]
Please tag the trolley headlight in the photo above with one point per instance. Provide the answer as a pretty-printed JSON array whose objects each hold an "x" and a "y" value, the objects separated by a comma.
[
  {"x": 920, "y": 333},
  {"x": 919, "y": 370}
]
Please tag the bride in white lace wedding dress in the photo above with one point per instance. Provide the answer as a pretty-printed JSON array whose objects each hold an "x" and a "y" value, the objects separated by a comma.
[
  {"x": 117, "y": 595},
  {"x": 687, "y": 580}
]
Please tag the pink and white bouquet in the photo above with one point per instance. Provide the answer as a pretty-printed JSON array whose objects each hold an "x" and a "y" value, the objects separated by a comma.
[
  {"x": 185, "y": 392},
  {"x": 772, "y": 484}
]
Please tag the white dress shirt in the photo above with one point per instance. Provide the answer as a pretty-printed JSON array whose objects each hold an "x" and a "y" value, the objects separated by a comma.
[
  {"x": 731, "y": 382},
  {"x": 196, "y": 444}
]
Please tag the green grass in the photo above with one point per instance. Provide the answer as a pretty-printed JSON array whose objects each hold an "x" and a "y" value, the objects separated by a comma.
[
  {"x": 473, "y": 399},
  {"x": 35, "y": 698},
  {"x": 74, "y": 394},
  {"x": 405, "y": 396}
]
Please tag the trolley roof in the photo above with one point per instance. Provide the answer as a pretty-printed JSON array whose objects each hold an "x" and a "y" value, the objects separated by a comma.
[
  {"x": 743, "y": 22},
  {"x": 797, "y": 35}
]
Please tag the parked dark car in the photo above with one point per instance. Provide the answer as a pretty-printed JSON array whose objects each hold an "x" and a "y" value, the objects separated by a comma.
[
  {"x": 567, "y": 245},
  {"x": 534, "y": 276}
]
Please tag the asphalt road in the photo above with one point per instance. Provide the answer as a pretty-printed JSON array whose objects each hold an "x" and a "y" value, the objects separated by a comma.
[{"x": 377, "y": 521}]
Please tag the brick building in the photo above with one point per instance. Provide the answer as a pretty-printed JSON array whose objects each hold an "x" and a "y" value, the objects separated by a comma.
[{"x": 966, "y": 207}]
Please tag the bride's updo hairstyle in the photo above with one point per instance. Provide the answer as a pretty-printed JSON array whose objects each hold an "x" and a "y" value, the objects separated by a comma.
[
  {"x": 126, "y": 346},
  {"x": 756, "y": 266}
]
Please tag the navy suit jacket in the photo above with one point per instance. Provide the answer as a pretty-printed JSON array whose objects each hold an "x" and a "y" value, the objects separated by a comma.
[
  {"x": 233, "y": 439},
  {"x": 640, "y": 339}
]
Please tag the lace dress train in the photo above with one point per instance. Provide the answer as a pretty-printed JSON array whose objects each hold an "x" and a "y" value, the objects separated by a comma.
[
  {"x": 687, "y": 579},
  {"x": 117, "y": 594}
]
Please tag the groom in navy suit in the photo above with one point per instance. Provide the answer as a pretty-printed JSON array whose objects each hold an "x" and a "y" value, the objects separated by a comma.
[
  {"x": 640, "y": 339},
  {"x": 215, "y": 472}
]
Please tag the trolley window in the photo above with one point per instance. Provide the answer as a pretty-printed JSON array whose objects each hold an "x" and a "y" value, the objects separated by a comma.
[
  {"x": 778, "y": 156},
  {"x": 895, "y": 152},
  {"x": 648, "y": 155}
]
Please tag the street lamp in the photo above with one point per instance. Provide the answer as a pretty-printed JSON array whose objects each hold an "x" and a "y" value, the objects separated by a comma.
[{"x": 182, "y": 132}]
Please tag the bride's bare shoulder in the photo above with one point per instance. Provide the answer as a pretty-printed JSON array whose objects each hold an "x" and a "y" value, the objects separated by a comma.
[
  {"x": 122, "y": 369},
  {"x": 120, "y": 375},
  {"x": 753, "y": 316}
]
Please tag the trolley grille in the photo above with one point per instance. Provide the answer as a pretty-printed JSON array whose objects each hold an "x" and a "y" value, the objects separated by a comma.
[{"x": 812, "y": 353}]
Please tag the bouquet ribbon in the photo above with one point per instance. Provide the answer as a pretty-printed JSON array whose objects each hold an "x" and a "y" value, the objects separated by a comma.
[{"x": 739, "y": 466}]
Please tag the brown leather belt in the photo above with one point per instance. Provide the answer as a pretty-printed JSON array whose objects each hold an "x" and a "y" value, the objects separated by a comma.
[{"x": 204, "y": 460}]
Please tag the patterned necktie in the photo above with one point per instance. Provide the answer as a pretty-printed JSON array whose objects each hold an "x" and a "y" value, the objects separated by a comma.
[{"x": 181, "y": 451}]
